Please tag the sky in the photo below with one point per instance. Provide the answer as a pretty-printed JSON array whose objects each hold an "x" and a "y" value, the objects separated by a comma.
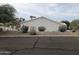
[{"x": 53, "y": 11}]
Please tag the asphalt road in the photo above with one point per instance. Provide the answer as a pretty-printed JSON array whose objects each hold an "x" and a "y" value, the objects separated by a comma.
[{"x": 39, "y": 45}]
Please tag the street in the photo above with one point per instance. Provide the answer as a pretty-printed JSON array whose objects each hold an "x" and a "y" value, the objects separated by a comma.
[{"x": 40, "y": 45}]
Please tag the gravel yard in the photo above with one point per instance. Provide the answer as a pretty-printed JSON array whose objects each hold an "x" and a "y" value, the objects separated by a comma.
[{"x": 40, "y": 33}]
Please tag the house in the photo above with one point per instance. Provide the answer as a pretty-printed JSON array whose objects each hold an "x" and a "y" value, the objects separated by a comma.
[
  {"x": 7, "y": 28},
  {"x": 50, "y": 25}
]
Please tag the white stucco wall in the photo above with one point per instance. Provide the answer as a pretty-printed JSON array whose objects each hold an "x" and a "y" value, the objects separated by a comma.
[
  {"x": 8, "y": 28},
  {"x": 49, "y": 25}
]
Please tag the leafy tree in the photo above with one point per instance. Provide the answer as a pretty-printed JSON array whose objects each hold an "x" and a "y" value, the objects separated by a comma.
[
  {"x": 67, "y": 23},
  {"x": 75, "y": 24},
  {"x": 32, "y": 17},
  {"x": 7, "y": 13},
  {"x": 21, "y": 19}
]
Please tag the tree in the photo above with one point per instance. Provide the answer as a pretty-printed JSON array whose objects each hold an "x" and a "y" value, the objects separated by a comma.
[
  {"x": 22, "y": 19},
  {"x": 16, "y": 23},
  {"x": 67, "y": 23},
  {"x": 32, "y": 17},
  {"x": 7, "y": 13},
  {"x": 74, "y": 24}
]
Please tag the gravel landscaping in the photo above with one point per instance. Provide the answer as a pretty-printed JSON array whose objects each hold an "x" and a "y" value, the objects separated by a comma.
[{"x": 39, "y": 33}]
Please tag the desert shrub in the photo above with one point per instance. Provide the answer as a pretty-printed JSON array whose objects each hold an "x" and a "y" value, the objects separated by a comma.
[
  {"x": 67, "y": 23},
  {"x": 62, "y": 28},
  {"x": 24, "y": 29},
  {"x": 41, "y": 28},
  {"x": 33, "y": 31},
  {"x": 73, "y": 30},
  {"x": 1, "y": 29},
  {"x": 74, "y": 24}
]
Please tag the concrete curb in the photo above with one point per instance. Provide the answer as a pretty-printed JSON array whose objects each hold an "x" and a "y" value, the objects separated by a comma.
[{"x": 39, "y": 35}]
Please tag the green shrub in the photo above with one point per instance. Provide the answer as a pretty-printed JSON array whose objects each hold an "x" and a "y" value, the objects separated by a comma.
[
  {"x": 62, "y": 28},
  {"x": 74, "y": 24},
  {"x": 24, "y": 29},
  {"x": 41, "y": 28},
  {"x": 32, "y": 31}
]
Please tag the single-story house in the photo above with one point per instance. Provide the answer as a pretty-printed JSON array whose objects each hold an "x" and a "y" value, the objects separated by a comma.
[
  {"x": 9, "y": 28},
  {"x": 49, "y": 24}
]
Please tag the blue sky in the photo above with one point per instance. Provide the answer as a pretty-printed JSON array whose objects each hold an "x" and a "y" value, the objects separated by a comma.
[{"x": 54, "y": 11}]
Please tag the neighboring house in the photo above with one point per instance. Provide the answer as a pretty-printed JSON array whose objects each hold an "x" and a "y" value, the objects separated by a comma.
[
  {"x": 50, "y": 25},
  {"x": 9, "y": 28}
]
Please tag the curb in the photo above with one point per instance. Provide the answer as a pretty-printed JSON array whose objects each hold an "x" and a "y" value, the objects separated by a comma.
[{"x": 39, "y": 36}]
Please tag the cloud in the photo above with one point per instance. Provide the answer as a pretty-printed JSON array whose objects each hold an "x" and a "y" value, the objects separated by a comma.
[
  {"x": 38, "y": 9},
  {"x": 54, "y": 11}
]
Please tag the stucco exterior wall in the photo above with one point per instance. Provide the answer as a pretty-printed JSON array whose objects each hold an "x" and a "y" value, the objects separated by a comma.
[{"x": 49, "y": 25}]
